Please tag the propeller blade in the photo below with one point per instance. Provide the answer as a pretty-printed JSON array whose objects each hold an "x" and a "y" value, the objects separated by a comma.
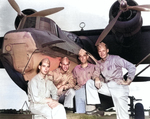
[
  {"x": 140, "y": 7},
  {"x": 14, "y": 5},
  {"x": 146, "y": 6},
  {"x": 107, "y": 29},
  {"x": 46, "y": 12}
]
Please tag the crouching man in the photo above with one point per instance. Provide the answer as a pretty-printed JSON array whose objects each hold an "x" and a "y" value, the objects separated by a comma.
[
  {"x": 64, "y": 81},
  {"x": 42, "y": 94}
]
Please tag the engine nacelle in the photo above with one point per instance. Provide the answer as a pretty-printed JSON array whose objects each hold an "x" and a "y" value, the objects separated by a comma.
[{"x": 129, "y": 22}]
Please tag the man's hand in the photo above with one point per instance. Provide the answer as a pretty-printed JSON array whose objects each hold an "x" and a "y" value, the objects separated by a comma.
[
  {"x": 123, "y": 82},
  {"x": 98, "y": 84},
  {"x": 77, "y": 87},
  {"x": 53, "y": 104},
  {"x": 48, "y": 100},
  {"x": 60, "y": 90},
  {"x": 58, "y": 86}
]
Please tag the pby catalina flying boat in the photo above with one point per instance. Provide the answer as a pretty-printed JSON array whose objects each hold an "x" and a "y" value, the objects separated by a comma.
[{"x": 37, "y": 37}]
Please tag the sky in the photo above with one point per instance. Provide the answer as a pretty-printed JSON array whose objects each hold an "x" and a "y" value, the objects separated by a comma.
[{"x": 95, "y": 14}]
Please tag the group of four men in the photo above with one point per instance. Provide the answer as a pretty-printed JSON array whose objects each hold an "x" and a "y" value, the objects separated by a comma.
[{"x": 84, "y": 82}]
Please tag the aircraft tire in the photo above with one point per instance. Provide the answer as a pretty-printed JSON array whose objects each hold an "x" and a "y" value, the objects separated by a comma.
[{"x": 139, "y": 111}]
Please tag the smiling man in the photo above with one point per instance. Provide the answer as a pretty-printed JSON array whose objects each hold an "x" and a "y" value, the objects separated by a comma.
[
  {"x": 82, "y": 73},
  {"x": 108, "y": 80},
  {"x": 64, "y": 81}
]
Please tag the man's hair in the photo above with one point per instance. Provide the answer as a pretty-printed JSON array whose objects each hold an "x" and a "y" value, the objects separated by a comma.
[
  {"x": 102, "y": 44},
  {"x": 40, "y": 63}
]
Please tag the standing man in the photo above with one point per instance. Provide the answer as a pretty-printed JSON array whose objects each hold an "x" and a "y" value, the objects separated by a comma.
[
  {"x": 108, "y": 80},
  {"x": 64, "y": 81},
  {"x": 82, "y": 73},
  {"x": 42, "y": 94}
]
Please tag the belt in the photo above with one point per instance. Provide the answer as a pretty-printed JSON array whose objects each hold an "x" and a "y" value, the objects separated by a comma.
[{"x": 107, "y": 81}]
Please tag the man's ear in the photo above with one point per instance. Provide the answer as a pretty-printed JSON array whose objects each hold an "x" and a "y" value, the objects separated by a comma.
[
  {"x": 39, "y": 67},
  {"x": 69, "y": 64},
  {"x": 87, "y": 56},
  {"x": 78, "y": 57},
  {"x": 60, "y": 64},
  {"x": 107, "y": 50}
]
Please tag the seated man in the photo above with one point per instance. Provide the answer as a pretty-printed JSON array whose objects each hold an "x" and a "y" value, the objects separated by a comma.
[
  {"x": 82, "y": 72},
  {"x": 64, "y": 81},
  {"x": 42, "y": 94}
]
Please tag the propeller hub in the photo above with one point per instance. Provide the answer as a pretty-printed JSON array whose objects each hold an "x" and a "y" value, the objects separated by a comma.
[
  {"x": 123, "y": 5},
  {"x": 129, "y": 22}
]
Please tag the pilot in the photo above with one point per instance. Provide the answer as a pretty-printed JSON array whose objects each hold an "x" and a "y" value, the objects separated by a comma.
[
  {"x": 108, "y": 80},
  {"x": 64, "y": 81},
  {"x": 82, "y": 72},
  {"x": 42, "y": 94}
]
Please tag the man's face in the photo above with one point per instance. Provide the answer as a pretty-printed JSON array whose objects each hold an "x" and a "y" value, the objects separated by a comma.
[
  {"x": 83, "y": 57},
  {"x": 65, "y": 65},
  {"x": 103, "y": 52},
  {"x": 44, "y": 68}
]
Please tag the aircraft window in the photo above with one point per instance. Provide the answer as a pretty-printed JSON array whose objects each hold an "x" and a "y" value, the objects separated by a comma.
[
  {"x": 30, "y": 22},
  {"x": 47, "y": 24}
]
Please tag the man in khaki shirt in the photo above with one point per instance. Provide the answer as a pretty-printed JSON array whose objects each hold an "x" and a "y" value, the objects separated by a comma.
[
  {"x": 42, "y": 94},
  {"x": 64, "y": 81}
]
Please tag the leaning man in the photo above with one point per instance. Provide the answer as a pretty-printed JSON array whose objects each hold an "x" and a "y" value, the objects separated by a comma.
[
  {"x": 108, "y": 80},
  {"x": 42, "y": 94}
]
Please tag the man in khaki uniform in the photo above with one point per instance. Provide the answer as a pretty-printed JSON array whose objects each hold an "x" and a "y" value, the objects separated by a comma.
[
  {"x": 64, "y": 81},
  {"x": 42, "y": 94}
]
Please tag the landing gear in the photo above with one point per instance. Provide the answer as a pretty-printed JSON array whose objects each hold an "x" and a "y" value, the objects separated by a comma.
[{"x": 137, "y": 111}]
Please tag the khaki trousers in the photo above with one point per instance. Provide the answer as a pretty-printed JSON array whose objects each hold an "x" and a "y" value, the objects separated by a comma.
[
  {"x": 119, "y": 94},
  {"x": 67, "y": 98},
  {"x": 48, "y": 113}
]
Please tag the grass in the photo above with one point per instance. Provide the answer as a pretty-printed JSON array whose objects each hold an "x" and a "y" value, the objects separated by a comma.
[{"x": 71, "y": 115}]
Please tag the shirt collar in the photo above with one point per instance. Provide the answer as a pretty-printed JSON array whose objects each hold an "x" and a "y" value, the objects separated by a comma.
[
  {"x": 107, "y": 58},
  {"x": 40, "y": 77},
  {"x": 84, "y": 67}
]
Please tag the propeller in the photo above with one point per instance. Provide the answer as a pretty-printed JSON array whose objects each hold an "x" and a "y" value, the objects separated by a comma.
[
  {"x": 40, "y": 13},
  {"x": 46, "y": 12},
  {"x": 123, "y": 8},
  {"x": 140, "y": 7},
  {"x": 15, "y": 6}
]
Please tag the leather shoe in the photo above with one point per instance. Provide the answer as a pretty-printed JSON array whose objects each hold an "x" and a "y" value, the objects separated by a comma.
[
  {"x": 95, "y": 112},
  {"x": 68, "y": 109}
]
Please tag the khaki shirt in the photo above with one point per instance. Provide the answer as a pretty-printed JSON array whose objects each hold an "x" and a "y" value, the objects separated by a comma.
[
  {"x": 39, "y": 89},
  {"x": 59, "y": 79}
]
